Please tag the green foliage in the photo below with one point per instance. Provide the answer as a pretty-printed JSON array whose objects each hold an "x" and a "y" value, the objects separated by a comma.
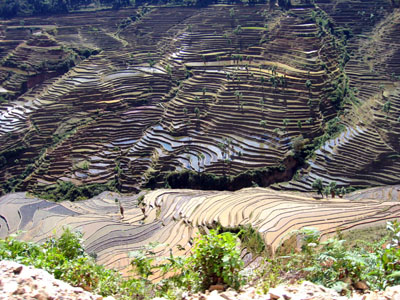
[
  {"x": 333, "y": 263},
  {"x": 269, "y": 274},
  {"x": 216, "y": 259},
  {"x": 65, "y": 258},
  {"x": 251, "y": 240},
  {"x": 389, "y": 271},
  {"x": 332, "y": 129},
  {"x": 308, "y": 84},
  {"x": 208, "y": 181},
  {"x": 142, "y": 262},
  {"x": 140, "y": 199},
  {"x": 318, "y": 185},
  {"x": 387, "y": 106},
  {"x": 67, "y": 191}
]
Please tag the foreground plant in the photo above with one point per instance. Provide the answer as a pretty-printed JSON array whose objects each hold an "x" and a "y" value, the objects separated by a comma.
[
  {"x": 215, "y": 259},
  {"x": 333, "y": 264},
  {"x": 66, "y": 259}
]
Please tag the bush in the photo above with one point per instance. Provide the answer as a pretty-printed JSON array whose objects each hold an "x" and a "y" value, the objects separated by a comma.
[
  {"x": 216, "y": 259},
  {"x": 334, "y": 264},
  {"x": 67, "y": 191},
  {"x": 65, "y": 259}
]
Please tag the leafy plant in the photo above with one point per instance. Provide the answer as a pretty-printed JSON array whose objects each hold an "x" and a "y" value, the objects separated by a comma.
[
  {"x": 216, "y": 259},
  {"x": 334, "y": 264},
  {"x": 318, "y": 185},
  {"x": 389, "y": 271},
  {"x": 65, "y": 258}
]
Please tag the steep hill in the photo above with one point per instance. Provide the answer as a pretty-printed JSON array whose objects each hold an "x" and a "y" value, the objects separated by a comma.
[{"x": 119, "y": 99}]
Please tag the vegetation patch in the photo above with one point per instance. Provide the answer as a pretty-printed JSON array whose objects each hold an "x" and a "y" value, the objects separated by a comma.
[
  {"x": 250, "y": 239},
  {"x": 67, "y": 191},
  {"x": 337, "y": 264},
  {"x": 215, "y": 259},
  {"x": 207, "y": 181}
]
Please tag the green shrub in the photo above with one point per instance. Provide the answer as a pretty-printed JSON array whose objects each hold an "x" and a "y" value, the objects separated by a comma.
[
  {"x": 337, "y": 267},
  {"x": 67, "y": 191},
  {"x": 64, "y": 257},
  {"x": 334, "y": 264},
  {"x": 216, "y": 259},
  {"x": 388, "y": 272}
]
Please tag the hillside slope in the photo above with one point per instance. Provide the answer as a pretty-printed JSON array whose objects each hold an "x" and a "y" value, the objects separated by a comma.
[{"x": 122, "y": 98}]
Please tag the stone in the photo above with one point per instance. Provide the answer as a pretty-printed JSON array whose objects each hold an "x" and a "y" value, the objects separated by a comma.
[
  {"x": 227, "y": 296},
  {"x": 361, "y": 285},
  {"x": 273, "y": 296},
  {"x": 18, "y": 270},
  {"x": 10, "y": 287},
  {"x": 40, "y": 296},
  {"x": 20, "y": 291},
  {"x": 216, "y": 287},
  {"x": 25, "y": 282},
  {"x": 214, "y": 295}
]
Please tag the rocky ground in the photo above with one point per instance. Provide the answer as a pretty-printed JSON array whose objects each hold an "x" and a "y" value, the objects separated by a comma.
[
  {"x": 303, "y": 291},
  {"x": 22, "y": 282}
]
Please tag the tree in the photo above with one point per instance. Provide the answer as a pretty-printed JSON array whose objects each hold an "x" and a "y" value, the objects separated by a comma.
[
  {"x": 273, "y": 69},
  {"x": 318, "y": 185},
  {"x": 202, "y": 157},
  {"x": 327, "y": 191},
  {"x": 387, "y": 106},
  {"x": 232, "y": 12},
  {"x": 238, "y": 30},
  {"x": 168, "y": 68},
  {"x": 262, "y": 104},
  {"x": 197, "y": 112},
  {"x": 238, "y": 95},
  {"x": 285, "y": 122},
  {"x": 333, "y": 188},
  {"x": 308, "y": 84},
  {"x": 342, "y": 192},
  {"x": 299, "y": 124},
  {"x": 204, "y": 90},
  {"x": 274, "y": 81}
]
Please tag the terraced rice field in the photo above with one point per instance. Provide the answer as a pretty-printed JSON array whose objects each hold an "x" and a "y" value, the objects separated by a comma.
[
  {"x": 222, "y": 90},
  {"x": 367, "y": 151},
  {"x": 122, "y": 98},
  {"x": 174, "y": 217}
]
